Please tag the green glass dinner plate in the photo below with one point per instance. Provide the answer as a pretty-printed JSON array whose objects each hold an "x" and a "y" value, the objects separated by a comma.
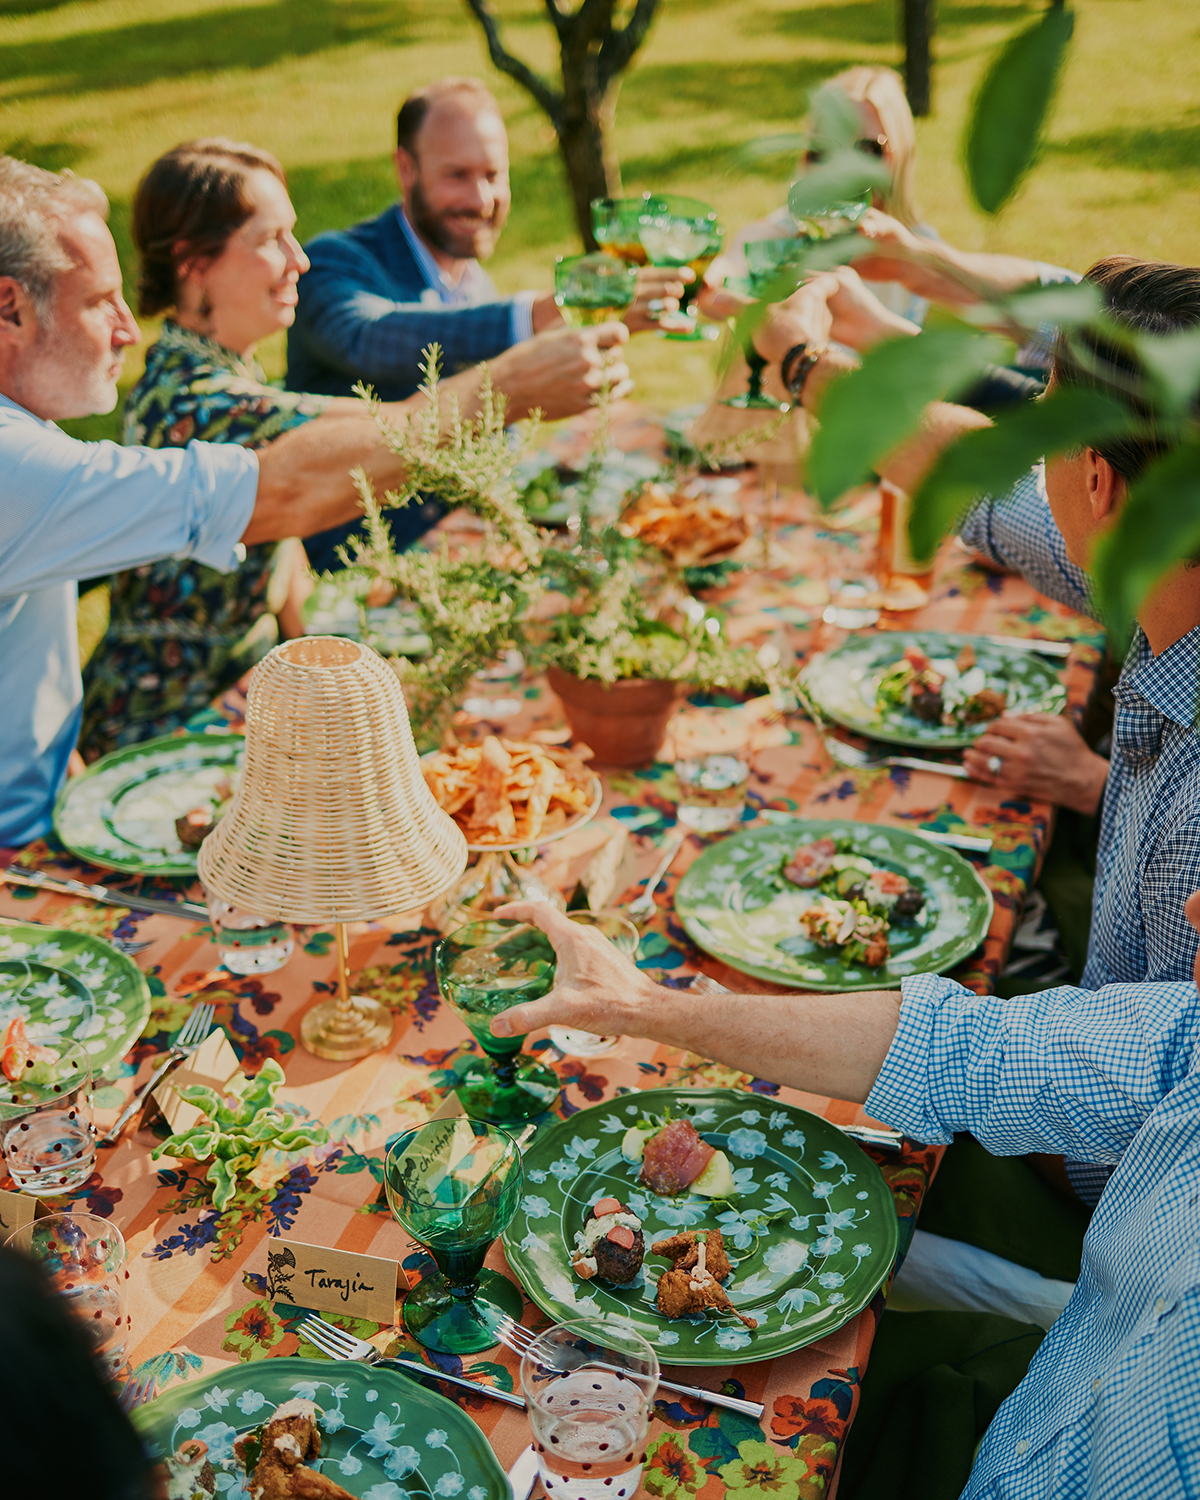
[
  {"x": 121, "y": 812},
  {"x": 811, "y": 1232},
  {"x": 736, "y": 904},
  {"x": 84, "y": 989},
  {"x": 843, "y": 684},
  {"x": 389, "y": 1437}
]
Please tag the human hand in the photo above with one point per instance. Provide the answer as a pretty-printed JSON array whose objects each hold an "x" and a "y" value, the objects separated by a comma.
[
  {"x": 803, "y": 318},
  {"x": 560, "y": 372},
  {"x": 1042, "y": 756},
  {"x": 859, "y": 319},
  {"x": 595, "y": 987},
  {"x": 659, "y": 289},
  {"x": 894, "y": 247}
]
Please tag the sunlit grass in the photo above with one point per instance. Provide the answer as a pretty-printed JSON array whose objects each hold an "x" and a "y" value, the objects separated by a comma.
[{"x": 103, "y": 86}]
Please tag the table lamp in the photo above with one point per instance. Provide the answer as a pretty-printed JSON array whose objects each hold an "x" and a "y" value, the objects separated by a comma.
[{"x": 332, "y": 821}]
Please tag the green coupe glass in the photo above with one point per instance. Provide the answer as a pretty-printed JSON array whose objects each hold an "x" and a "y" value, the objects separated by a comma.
[
  {"x": 592, "y": 289},
  {"x": 616, "y": 224},
  {"x": 767, "y": 261},
  {"x": 483, "y": 969},
  {"x": 454, "y": 1185},
  {"x": 677, "y": 232}
]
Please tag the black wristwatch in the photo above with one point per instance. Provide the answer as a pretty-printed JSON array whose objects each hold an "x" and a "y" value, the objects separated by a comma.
[{"x": 795, "y": 368}]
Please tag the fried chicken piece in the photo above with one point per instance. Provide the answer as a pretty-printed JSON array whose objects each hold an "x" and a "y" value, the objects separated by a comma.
[
  {"x": 692, "y": 1283},
  {"x": 988, "y": 703},
  {"x": 288, "y": 1439},
  {"x": 684, "y": 1250}
]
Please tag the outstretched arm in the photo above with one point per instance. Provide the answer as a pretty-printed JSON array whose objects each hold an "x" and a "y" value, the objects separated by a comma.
[{"x": 823, "y": 1044}]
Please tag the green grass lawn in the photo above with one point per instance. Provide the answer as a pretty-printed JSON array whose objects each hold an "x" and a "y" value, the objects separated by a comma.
[{"x": 102, "y": 86}]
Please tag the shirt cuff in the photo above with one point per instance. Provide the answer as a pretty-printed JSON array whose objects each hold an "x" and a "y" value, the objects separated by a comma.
[
  {"x": 224, "y": 489},
  {"x": 901, "y": 1095},
  {"x": 522, "y": 316}
]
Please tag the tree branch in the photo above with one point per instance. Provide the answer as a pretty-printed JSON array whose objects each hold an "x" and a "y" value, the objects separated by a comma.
[
  {"x": 560, "y": 19},
  {"x": 502, "y": 59},
  {"x": 618, "y": 49}
]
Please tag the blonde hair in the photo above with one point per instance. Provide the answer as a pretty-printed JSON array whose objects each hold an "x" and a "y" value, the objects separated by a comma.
[{"x": 883, "y": 89}]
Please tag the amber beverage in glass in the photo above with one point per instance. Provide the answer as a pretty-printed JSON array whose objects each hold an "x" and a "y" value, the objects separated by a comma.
[{"x": 905, "y": 581}]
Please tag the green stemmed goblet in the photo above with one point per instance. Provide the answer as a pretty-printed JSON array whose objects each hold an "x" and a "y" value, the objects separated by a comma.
[
  {"x": 483, "y": 969},
  {"x": 616, "y": 224},
  {"x": 765, "y": 261},
  {"x": 679, "y": 232},
  {"x": 823, "y": 221},
  {"x": 591, "y": 289},
  {"x": 454, "y": 1185}
]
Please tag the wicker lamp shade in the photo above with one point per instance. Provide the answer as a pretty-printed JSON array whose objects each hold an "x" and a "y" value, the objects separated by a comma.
[{"x": 333, "y": 821}]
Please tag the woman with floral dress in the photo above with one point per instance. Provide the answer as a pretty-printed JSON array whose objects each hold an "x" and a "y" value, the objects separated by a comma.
[{"x": 213, "y": 226}]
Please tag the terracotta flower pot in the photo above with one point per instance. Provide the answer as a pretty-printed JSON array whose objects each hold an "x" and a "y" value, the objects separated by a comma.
[{"x": 625, "y": 724}]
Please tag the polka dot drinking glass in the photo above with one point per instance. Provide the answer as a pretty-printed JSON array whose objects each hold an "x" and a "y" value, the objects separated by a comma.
[
  {"x": 47, "y": 1137},
  {"x": 590, "y": 1392},
  {"x": 84, "y": 1257}
]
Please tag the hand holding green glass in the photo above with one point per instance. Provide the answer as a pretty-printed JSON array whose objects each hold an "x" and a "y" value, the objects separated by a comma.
[{"x": 482, "y": 969}]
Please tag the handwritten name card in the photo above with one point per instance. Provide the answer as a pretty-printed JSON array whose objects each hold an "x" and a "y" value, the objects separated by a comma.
[
  {"x": 17, "y": 1210},
  {"x": 337, "y": 1281}
]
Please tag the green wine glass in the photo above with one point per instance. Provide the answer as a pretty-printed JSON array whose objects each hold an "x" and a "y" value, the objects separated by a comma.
[
  {"x": 454, "y": 1185},
  {"x": 823, "y": 221},
  {"x": 680, "y": 232},
  {"x": 766, "y": 260},
  {"x": 593, "y": 289},
  {"x": 616, "y": 225},
  {"x": 483, "y": 969}
]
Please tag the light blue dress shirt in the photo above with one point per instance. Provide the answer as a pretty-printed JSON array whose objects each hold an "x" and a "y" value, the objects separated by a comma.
[
  {"x": 1111, "y": 1404},
  {"x": 70, "y": 510}
]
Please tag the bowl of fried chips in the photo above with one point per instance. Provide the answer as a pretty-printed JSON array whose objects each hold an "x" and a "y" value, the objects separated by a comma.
[{"x": 510, "y": 794}]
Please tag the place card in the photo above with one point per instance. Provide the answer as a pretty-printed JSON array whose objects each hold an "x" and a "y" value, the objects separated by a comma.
[
  {"x": 215, "y": 1064},
  {"x": 336, "y": 1281},
  {"x": 17, "y": 1210}
]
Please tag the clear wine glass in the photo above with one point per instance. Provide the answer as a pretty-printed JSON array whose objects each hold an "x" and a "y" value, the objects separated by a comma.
[
  {"x": 482, "y": 969},
  {"x": 590, "y": 1389},
  {"x": 454, "y": 1185}
]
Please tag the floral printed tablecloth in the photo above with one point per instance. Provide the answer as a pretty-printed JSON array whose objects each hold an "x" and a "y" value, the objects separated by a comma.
[{"x": 198, "y": 1290}]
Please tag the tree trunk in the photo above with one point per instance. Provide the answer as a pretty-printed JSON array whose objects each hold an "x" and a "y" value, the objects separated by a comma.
[
  {"x": 589, "y": 172},
  {"x": 919, "y": 22}
]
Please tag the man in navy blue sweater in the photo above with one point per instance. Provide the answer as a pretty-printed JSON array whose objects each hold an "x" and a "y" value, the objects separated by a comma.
[{"x": 378, "y": 294}]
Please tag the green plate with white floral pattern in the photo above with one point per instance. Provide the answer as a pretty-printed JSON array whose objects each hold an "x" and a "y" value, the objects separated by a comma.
[
  {"x": 389, "y": 1437},
  {"x": 812, "y": 1232},
  {"x": 843, "y": 683},
  {"x": 121, "y": 812},
  {"x": 106, "y": 1018},
  {"x": 736, "y": 904}
]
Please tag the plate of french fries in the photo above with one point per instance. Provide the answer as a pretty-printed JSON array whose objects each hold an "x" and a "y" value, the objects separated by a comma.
[
  {"x": 686, "y": 528},
  {"x": 510, "y": 794}
]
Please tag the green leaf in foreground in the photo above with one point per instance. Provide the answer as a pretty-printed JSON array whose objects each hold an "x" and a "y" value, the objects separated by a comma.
[
  {"x": 1011, "y": 106},
  {"x": 1158, "y": 527},
  {"x": 873, "y": 409},
  {"x": 991, "y": 460}
]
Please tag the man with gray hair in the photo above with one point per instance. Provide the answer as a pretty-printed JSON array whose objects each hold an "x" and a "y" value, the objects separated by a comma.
[{"x": 73, "y": 509}]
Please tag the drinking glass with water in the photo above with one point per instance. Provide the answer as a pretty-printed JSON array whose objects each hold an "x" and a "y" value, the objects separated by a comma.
[{"x": 47, "y": 1136}]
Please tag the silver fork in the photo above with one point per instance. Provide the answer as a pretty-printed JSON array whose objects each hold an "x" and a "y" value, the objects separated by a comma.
[
  {"x": 192, "y": 1036},
  {"x": 123, "y": 945},
  {"x": 642, "y": 907},
  {"x": 519, "y": 1339},
  {"x": 339, "y": 1344},
  {"x": 135, "y": 1392}
]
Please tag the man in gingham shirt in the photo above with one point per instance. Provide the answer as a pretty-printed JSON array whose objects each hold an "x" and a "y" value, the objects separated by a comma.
[{"x": 1111, "y": 1402}]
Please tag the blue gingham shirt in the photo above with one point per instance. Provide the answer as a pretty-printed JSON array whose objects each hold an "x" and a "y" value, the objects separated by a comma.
[
  {"x": 1148, "y": 860},
  {"x": 1111, "y": 1404}
]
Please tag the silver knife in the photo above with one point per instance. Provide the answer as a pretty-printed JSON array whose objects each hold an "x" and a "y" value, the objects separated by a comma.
[
  {"x": 1024, "y": 643},
  {"x": 426, "y": 1372},
  {"x": 523, "y": 1476},
  {"x": 190, "y": 911},
  {"x": 956, "y": 841},
  {"x": 939, "y": 767},
  {"x": 885, "y": 1139}
]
